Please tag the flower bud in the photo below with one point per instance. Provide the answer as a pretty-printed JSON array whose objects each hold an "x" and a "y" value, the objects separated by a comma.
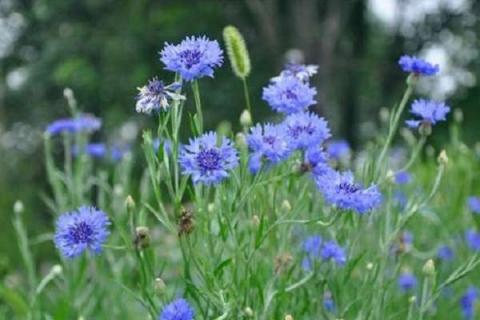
[
  {"x": 248, "y": 312},
  {"x": 241, "y": 140},
  {"x": 246, "y": 118},
  {"x": 429, "y": 268},
  {"x": 412, "y": 299},
  {"x": 425, "y": 129},
  {"x": 130, "y": 203},
  {"x": 159, "y": 286},
  {"x": 286, "y": 205},
  {"x": 18, "y": 207},
  {"x": 390, "y": 176},
  {"x": 142, "y": 237},
  {"x": 458, "y": 115},
  {"x": 211, "y": 207},
  {"x": 256, "y": 220},
  {"x": 289, "y": 317},
  {"x": 443, "y": 158},
  {"x": 384, "y": 115},
  {"x": 412, "y": 79},
  {"x": 57, "y": 269},
  {"x": 369, "y": 266}
]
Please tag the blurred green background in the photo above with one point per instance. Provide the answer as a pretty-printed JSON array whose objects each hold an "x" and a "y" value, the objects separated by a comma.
[{"x": 104, "y": 49}]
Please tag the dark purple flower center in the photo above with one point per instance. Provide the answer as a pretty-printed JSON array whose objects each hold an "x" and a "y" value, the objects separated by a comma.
[
  {"x": 156, "y": 87},
  {"x": 209, "y": 160},
  {"x": 190, "y": 57},
  {"x": 297, "y": 130},
  {"x": 289, "y": 94},
  {"x": 348, "y": 188},
  {"x": 81, "y": 232},
  {"x": 269, "y": 140}
]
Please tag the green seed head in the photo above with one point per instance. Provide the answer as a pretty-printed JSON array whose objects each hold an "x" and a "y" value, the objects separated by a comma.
[{"x": 237, "y": 52}]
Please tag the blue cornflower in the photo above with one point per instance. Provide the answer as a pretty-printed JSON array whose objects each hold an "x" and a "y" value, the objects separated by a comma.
[
  {"x": 301, "y": 71},
  {"x": 339, "y": 189},
  {"x": 117, "y": 152},
  {"x": 474, "y": 204},
  {"x": 289, "y": 95},
  {"x": 407, "y": 281},
  {"x": 193, "y": 58},
  {"x": 207, "y": 160},
  {"x": 95, "y": 150},
  {"x": 445, "y": 253},
  {"x": 467, "y": 303},
  {"x": 82, "y": 123},
  {"x": 430, "y": 112},
  {"x": 312, "y": 247},
  {"x": 79, "y": 230},
  {"x": 338, "y": 150},
  {"x": 332, "y": 251},
  {"x": 178, "y": 309},
  {"x": 473, "y": 239},
  {"x": 400, "y": 198},
  {"x": 417, "y": 66},
  {"x": 315, "y": 158},
  {"x": 403, "y": 177},
  {"x": 156, "y": 96},
  {"x": 305, "y": 130},
  {"x": 328, "y": 303},
  {"x": 267, "y": 142}
]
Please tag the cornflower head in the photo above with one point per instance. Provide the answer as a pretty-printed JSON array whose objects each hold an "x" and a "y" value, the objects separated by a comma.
[
  {"x": 94, "y": 150},
  {"x": 338, "y": 150},
  {"x": 302, "y": 72},
  {"x": 83, "y": 229},
  {"x": 267, "y": 142},
  {"x": 417, "y": 66},
  {"x": 156, "y": 96},
  {"x": 430, "y": 112},
  {"x": 474, "y": 204},
  {"x": 340, "y": 190},
  {"x": 289, "y": 95},
  {"x": 208, "y": 158},
  {"x": 402, "y": 177},
  {"x": 331, "y": 250},
  {"x": 82, "y": 123},
  {"x": 312, "y": 246},
  {"x": 467, "y": 303},
  {"x": 445, "y": 253},
  {"x": 193, "y": 58},
  {"x": 473, "y": 239},
  {"x": 305, "y": 130},
  {"x": 406, "y": 282},
  {"x": 178, "y": 309},
  {"x": 314, "y": 158}
]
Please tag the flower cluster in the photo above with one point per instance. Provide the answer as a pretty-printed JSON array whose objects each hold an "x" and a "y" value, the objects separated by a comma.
[{"x": 83, "y": 229}]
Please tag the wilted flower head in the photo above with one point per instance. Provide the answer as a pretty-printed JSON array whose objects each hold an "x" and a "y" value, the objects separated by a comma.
[
  {"x": 474, "y": 204},
  {"x": 156, "y": 96},
  {"x": 304, "y": 130},
  {"x": 208, "y": 159},
  {"x": 193, "y": 58},
  {"x": 267, "y": 142},
  {"x": 332, "y": 251},
  {"x": 407, "y": 281},
  {"x": 417, "y": 66},
  {"x": 80, "y": 230},
  {"x": 302, "y": 72},
  {"x": 338, "y": 149},
  {"x": 467, "y": 303},
  {"x": 473, "y": 239},
  {"x": 289, "y": 95},
  {"x": 178, "y": 309},
  {"x": 83, "y": 123},
  {"x": 430, "y": 112},
  {"x": 339, "y": 189}
]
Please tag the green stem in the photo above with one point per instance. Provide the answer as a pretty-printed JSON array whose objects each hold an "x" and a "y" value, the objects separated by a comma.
[
  {"x": 247, "y": 96},
  {"x": 198, "y": 106}
]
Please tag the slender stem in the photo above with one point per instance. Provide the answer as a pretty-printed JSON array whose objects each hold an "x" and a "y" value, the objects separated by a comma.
[
  {"x": 198, "y": 105},
  {"x": 247, "y": 96},
  {"x": 393, "y": 128}
]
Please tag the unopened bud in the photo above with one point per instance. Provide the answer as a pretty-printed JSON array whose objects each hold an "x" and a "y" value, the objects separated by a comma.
[
  {"x": 246, "y": 118},
  {"x": 68, "y": 93},
  {"x": 248, "y": 312},
  {"x": 241, "y": 140},
  {"x": 57, "y": 269},
  {"x": 129, "y": 202},
  {"x": 211, "y": 207},
  {"x": 429, "y": 268},
  {"x": 390, "y": 176},
  {"x": 118, "y": 189},
  {"x": 425, "y": 129},
  {"x": 160, "y": 286},
  {"x": 458, "y": 115},
  {"x": 286, "y": 205},
  {"x": 412, "y": 79},
  {"x": 369, "y": 266},
  {"x": 443, "y": 158},
  {"x": 142, "y": 237},
  {"x": 256, "y": 220},
  {"x": 412, "y": 299},
  {"x": 288, "y": 317},
  {"x": 384, "y": 115},
  {"x": 18, "y": 207}
]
